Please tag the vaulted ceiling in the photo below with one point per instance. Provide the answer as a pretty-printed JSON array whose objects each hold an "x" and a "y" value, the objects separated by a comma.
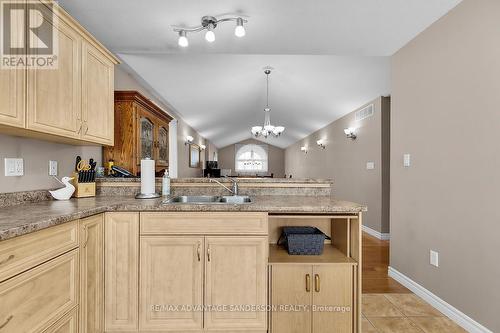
[{"x": 330, "y": 56}]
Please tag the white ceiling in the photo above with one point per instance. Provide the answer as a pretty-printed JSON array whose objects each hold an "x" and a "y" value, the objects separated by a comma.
[{"x": 330, "y": 56}]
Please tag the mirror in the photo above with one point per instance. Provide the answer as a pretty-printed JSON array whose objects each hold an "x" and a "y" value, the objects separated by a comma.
[{"x": 194, "y": 156}]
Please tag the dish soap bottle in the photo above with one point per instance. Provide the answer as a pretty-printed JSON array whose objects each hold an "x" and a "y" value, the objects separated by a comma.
[{"x": 165, "y": 188}]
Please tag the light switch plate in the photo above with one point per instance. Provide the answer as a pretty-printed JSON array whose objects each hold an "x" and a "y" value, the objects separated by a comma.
[
  {"x": 370, "y": 165},
  {"x": 52, "y": 168},
  {"x": 434, "y": 258},
  {"x": 14, "y": 167},
  {"x": 406, "y": 160}
]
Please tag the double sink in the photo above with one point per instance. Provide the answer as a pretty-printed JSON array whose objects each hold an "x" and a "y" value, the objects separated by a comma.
[{"x": 209, "y": 199}]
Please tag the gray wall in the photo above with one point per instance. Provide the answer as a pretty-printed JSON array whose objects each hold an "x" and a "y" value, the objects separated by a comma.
[
  {"x": 344, "y": 161},
  {"x": 276, "y": 163},
  {"x": 446, "y": 113},
  {"x": 36, "y": 155}
]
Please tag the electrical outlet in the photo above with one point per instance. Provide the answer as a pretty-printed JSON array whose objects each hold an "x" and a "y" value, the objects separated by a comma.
[
  {"x": 14, "y": 167},
  {"x": 434, "y": 258},
  {"x": 370, "y": 165},
  {"x": 52, "y": 168},
  {"x": 406, "y": 160}
]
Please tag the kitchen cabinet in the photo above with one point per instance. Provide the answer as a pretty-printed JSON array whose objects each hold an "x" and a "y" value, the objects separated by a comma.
[
  {"x": 54, "y": 94},
  {"x": 141, "y": 131},
  {"x": 70, "y": 103},
  {"x": 121, "y": 253},
  {"x": 97, "y": 95},
  {"x": 67, "y": 324},
  {"x": 13, "y": 89},
  {"x": 329, "y": 284},
  {"x": 210, "y": 259},
  {"x": 171, "y": 274},
  {"x": 320, "y": 286},
  {"x": 23, "y": 253},
  {"x": 236, "y": 274},
  {"x": 291, "y": 286},
  {"x": 34, "y": 300},
  {"x": 92, "y": 274}
]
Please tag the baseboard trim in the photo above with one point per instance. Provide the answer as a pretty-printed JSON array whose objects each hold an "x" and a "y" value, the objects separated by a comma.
[
  {"x": 450, "y": 311},
  {"x": 376, "y": 234}
]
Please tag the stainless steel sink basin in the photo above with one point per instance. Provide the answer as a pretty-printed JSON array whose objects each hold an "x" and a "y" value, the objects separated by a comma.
[
  {"x": 236, "y": 199},
  {"x": 209, "y": 199}
]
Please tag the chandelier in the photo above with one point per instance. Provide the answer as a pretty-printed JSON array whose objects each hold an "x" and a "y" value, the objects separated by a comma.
[
  {"x": 209, "y": 23},
  {"x": 268, "y": 129}
]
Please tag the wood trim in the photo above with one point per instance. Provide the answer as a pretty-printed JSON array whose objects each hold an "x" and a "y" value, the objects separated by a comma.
[{"x": 135, "y": 96}]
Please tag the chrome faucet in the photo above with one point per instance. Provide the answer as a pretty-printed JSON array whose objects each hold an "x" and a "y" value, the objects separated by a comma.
[{"x": 233, "y": 191}]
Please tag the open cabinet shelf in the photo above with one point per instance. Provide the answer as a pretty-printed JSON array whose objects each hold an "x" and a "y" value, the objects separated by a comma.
[{"x": 330, "y": 255}]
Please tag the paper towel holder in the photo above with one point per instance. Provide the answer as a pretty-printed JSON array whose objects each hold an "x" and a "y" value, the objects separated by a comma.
[
  {"x": 147, "y": 195},
  {"x": 141, "y": 195}
]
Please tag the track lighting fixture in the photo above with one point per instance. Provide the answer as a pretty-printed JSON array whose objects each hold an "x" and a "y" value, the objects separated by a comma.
[
  {"x": 209, "y": 23},
  {"x": 183, "y": 41},
  {"x": 321, "y": 144}
]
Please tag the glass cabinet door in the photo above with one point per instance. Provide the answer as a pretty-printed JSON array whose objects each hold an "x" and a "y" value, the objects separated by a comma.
[
  {"x": 162, "y": 146},
  {"x": 146, "y": 143}
]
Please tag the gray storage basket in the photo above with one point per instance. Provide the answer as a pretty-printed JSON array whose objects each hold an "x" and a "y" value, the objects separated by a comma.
[{"x": 303, "y": 240}]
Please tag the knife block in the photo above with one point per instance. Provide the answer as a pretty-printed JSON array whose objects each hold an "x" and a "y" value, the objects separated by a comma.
[{"x": 83, "y": 190}]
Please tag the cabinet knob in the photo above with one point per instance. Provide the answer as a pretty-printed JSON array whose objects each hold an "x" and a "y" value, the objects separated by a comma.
[
  {"x": 198, "y": 251},
  {"x": 208, "y": 253},
  {"x": 308, "y": 283}
]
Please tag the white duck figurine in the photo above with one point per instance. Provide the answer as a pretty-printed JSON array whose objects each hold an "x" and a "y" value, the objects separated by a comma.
[{"x": 66, "y": 192}]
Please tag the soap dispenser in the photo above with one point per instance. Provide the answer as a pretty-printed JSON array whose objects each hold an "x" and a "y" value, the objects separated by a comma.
[{"x": 165, "y": 188}]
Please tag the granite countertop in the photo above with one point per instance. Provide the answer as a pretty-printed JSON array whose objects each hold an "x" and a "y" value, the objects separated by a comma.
[
  {"x": 223, "y": 179},
  {"x": 25, "y": 218}
]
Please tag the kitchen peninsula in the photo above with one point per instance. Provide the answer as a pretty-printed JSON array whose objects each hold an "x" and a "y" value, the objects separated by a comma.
[{"x": 117, "y": 262}]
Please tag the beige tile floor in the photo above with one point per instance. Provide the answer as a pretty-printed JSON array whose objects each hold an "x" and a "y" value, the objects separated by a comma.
[{"x": 403, "y": 313}]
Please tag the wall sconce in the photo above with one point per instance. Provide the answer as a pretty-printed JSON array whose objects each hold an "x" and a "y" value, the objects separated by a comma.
[
  {"x": 203, "y": 147},
  {"x": 321, "y": 144},
  {"x": 303, "y": 149},
  {"x": 189, "y": 140},
  {"x": 350, "y": 133}
]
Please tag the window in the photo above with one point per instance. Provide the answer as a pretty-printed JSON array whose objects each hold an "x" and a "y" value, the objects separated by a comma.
[{"x": 251, "y": 158}]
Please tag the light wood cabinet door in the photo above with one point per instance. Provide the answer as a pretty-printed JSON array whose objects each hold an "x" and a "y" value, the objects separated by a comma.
[
  {"x": 333, "y": 288},
  {"x": 236, "y": 275},
  {"x": 291, "y": 285},
  {"x": 36, "y": 299},
  {"x": 97, "y": 96},
  {"x": 92, "y": 274},
  {"x": 67, "y": 324},
  {"x": 54, "y": 95},
  {"x": 12, "y": 87},
  {"x": 121, "y": 251},
  {"x": 171, "y": 273}
]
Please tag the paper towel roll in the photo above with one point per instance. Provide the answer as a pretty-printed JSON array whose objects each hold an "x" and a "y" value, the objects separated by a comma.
[{"x": 147, "y": 176}]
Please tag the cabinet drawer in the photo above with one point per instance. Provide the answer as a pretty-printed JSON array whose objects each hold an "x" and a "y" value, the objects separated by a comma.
[
  {"x": 24, "y": 252},
  {"x": 206, "y": 223},
  {"x": 67, "y": 324},
  {"x": 36, "y": 299}
]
